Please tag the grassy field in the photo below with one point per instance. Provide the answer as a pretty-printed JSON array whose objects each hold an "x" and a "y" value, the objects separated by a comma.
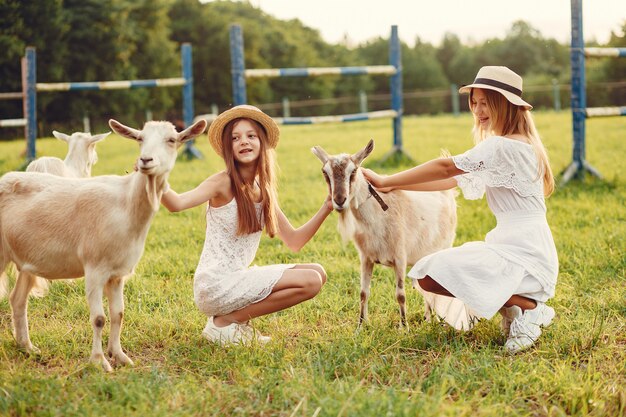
[{"x": 317, "y": 363}]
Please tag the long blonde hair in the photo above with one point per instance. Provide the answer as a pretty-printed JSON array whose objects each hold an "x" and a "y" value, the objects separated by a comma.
[
  {"x": 248, "y": 220},
  {"x": 507, "y": 119}
]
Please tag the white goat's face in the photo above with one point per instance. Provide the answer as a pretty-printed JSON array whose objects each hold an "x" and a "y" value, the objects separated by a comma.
[
  {"x": 158, "y": 142},
  {"x": 340, "y": 172},
  {"x": 81, "y": 148}
]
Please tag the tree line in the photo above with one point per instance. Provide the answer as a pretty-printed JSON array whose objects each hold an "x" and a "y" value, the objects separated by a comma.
[{"x": 102, "y": 40}]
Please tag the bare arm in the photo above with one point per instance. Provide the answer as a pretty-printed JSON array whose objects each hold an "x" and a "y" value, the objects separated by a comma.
[
  {"x": 439, "y": 185},
  {"x": 429, "y": 172},
  {"x": 208, "y": 189},
  {"x": 295, "y": 239}
]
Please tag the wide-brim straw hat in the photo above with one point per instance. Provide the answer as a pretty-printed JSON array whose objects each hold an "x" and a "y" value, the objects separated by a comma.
[
  {"x": 242, "y": 111},
  {"x": 502, "y": 80}
]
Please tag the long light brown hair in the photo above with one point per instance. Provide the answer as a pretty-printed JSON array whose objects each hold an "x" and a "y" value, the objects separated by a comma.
[
  {"x": 507, "y": 118},
  {"x": 248, "y": 220}
]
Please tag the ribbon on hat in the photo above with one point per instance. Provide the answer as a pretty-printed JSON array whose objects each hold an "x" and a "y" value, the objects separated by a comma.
[{"x": 499, "y": 84}]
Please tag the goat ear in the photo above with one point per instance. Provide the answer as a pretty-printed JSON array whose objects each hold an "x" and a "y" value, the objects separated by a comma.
[
  {"x": 320, "y": 153},
  {"x": 363, "y": 153},
  {"x": 98, "y": 138},
  {"x": 124, "y": 131},
  {"x": 192, "y": 131},
  {"x": 61, "y": 136}
]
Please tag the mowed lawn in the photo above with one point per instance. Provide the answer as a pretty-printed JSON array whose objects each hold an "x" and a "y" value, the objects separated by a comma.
[{"x": 318, "y": 363}]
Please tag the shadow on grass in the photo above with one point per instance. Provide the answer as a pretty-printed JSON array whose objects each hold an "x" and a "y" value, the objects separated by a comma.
[{"x": 587, "y": 184}]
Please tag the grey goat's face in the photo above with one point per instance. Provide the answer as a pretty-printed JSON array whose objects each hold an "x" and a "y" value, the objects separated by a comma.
[{"x": 340, "y": 172}]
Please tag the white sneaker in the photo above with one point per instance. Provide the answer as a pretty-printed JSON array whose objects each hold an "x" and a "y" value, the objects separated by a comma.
[
  {"x": 253, "y": 333},
  {"x": 526, "y": 329},
  {"x": 508, "y": 315},
  {"x": 227, "y": 335}
]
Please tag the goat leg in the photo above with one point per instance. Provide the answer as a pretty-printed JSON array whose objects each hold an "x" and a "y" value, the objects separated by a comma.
[
  {"x": 114, "y": 291},
  {"x": 19, "y": 306},
  {"x": 366, "y": 277},
  {"x": 399, "y": 268},
  {"x": 94, "y": 291}
]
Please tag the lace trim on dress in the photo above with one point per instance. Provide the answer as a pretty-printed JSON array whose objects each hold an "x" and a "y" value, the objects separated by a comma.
[{"x": 498, "y": 162}]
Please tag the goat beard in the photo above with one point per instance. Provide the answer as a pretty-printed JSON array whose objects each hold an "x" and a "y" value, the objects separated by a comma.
[
  {"x": 346, "y": 226},
  {"x": 154, "y": 194}
]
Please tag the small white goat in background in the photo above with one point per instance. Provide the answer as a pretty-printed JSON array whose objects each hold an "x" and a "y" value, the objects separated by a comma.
[
  {"x": 81, "y": 157},
  {"x": 57, "y": 227},
  {"x": 415, "y": 225}
]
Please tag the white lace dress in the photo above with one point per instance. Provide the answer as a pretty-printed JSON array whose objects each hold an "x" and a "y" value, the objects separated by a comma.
[
  {"x": 224, "y": 280},
  {"x": 518, "y": 256}
]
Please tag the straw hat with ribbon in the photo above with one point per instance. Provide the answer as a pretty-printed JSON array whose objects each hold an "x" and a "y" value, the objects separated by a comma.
[
  {"x": 243, "y": 111},
  {"x": 502, "y": 80}
]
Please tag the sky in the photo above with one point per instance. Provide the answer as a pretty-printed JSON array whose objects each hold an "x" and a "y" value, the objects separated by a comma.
[{"x": 471, "y": 20}]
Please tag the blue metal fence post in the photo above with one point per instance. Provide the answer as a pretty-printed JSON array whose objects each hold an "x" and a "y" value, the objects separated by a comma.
[
  {"x": 237, "y": 64},
  {"x": 579, "y": 97},
  {"x": 578, "y": 165},
  {"x": 30, "y": 97},
  {"x": 187, "y": 67},
  {"x": 395, "y": 59},
  {"x": 185, "y": 55}
]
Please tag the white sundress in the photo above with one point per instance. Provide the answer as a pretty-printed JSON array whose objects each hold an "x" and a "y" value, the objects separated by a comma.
[
  {"x": 224, "y": 281},
  {"x": 518, "y": 256}
]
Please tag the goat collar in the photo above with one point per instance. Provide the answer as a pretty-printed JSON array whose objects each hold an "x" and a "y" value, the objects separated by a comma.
[{"x": 378, "y": 198}]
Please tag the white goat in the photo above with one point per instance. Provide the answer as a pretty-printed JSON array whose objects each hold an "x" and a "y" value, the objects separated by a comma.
[
  {"x": 57, "y": 227},
  {"x": 415, "y": 225},
  {"x": 81, "y": 156}
]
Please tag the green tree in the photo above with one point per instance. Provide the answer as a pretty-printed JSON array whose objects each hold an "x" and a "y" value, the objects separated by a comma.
[
  {"x": 423, "y": 71},
  {"x": 38, "y": 24}
]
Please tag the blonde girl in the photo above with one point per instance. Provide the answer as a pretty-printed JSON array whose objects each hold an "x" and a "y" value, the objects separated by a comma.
[{"x": 515, "y": 269}]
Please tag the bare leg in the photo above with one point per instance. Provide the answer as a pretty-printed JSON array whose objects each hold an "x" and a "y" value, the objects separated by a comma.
[
  {"x": 430, "y": 285},
  {"x": 522, "y": 302},
  {"x": 298, "y": 284}
]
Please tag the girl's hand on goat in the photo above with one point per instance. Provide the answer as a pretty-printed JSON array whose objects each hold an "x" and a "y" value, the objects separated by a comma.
[
  {"x": 373, "y": 178},
  {"x": 329, "y": 203},
  {"x": 384, "y": 189}
]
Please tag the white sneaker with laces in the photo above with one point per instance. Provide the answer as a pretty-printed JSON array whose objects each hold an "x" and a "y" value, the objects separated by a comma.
[
  {"x": 227, "y": 335},
  {"x": 253, "y": 333},
  {"x": 526, "y": 329}
]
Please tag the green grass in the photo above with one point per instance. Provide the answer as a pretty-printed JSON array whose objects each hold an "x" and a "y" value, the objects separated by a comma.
[{"x": 317, "y": 364}]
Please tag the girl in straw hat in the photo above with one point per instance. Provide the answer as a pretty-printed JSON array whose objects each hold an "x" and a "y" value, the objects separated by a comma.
[
  {"x": 241, "y": 202},
  {"x": 514, "y": 270}
]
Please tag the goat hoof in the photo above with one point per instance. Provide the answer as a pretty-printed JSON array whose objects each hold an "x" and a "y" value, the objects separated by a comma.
[
  {"x": 99, "y": 359},
  {"x": 30, "y": 350},
  {"x": 122, "y": 359},
  {"x": 106, "y": 366}
]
